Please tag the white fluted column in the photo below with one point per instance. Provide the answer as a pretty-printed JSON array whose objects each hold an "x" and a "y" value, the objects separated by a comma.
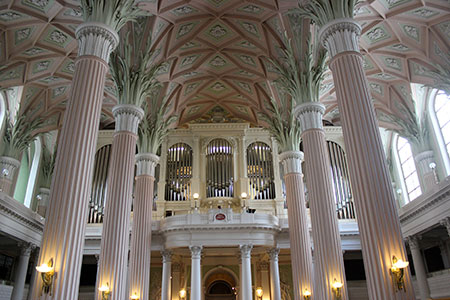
[
  {"x": 66, "y": 217},
  {"x": 426, "y": 174},
  {"x": 166, "y": 275},
  {"x": 379, "y": 226},
  {"x": 141, "y": 232},
  {"x": 328, "y": 260},
  {"x": 20, "y": 272},
  {"x": 301, "y": 257},
  {"x": 275, "y": 289},
  {"x": 246, "y": 278},
  {"x": 116, "y": 223},
  {"x": 421, "y": 274},
  {"x": 196, "y": 273},
  {"x": 8, "y": 168}
]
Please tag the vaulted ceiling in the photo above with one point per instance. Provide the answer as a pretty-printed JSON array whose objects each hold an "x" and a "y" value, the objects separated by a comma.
[{"x": 214, "y": 52}]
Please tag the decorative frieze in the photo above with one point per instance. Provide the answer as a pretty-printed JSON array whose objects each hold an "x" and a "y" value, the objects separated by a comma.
[
  {"x": 96, "y": 39},
  {"x": 340, "y": 35},
  {"x": 128, "y": 117},
  {"x": 292, "y": 161},
  {"x": 310, "y": 115},
  {"x": 146, "y": 164}
]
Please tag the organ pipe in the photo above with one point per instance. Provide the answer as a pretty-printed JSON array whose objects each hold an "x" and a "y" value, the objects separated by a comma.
[
  {"x": 342, "y": 190},
  {"x": 219, "y": 169},
  {"x": 99, "y": 187},
  {"x": 179, "y": 173},
  {"x": 260, "y": 171}
]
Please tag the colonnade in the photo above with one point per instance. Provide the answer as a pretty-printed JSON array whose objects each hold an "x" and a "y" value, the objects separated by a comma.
[
  {"x": 64, "y": 231},
  {"x": 245, "y": 285}
]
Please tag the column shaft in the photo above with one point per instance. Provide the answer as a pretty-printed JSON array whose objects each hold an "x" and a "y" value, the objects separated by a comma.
[
  {"x": 196, "y": 283},
  {"x": 141, "y": 234},
  {"x": 301, "y": 256},
  {"x": 246, "y": 278},
  {"x": 116, "y": 224},
  {"x": 166, "y": 273},
  {"x": 66, "y": 217},
  {"x": 419, "y": 266},
  {"x": 275, "y": 289},
  {"x": 378, "y": 222},
  {"x": 328, "y": 259},
  {"x": 8, "y": 168},
  {"x": 20, "y": 272},
  {"x": 427, "y": 177}
]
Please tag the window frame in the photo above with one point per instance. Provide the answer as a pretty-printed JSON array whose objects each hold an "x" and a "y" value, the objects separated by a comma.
[{"x": 445, "y": 156}]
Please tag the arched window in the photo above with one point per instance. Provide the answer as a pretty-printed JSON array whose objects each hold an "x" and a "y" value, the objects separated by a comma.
[
  {"x": 260, "y": 171},
  {"x": 442, "y": 122},
  {"x": 179, "y": 172},
  {"x": 408, "y": 169}
]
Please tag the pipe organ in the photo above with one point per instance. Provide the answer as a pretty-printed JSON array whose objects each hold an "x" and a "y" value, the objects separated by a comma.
[
  {"x": 260, "y": 171},
  {"x": 99, "y": 188},
  {"x": 178, "y": 173},
  {"x": 342, "y": 190},
  {"x": 219, "y": 169}
]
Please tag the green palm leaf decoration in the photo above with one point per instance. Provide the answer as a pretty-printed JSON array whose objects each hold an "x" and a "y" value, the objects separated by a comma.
[
  {"x": 155, "y": 126},
  {"x": 441, "y": 77},
  {"x": 20, "y": 133},
  {"x": 322, "y": 12},
  {"x": 114, "y": 13},
  {"x": 282, "y": 124},
  {"x": 48, "y": 165},
  {"x": 412, "y": 125},
  {"x": 301, "y": 75},
  {"x": 132, "y": 69}
]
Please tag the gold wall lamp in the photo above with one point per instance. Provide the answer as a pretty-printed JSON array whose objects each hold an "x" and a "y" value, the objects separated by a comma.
[
  {"x": 105, "y": 290},
  {"x": 259, "y": 293},
  {"x": 47, "y": 273},
  {"x": 337, "y": 289},
  {"x": 306, "y": 295},
  {"x": 398, "y": 272}
]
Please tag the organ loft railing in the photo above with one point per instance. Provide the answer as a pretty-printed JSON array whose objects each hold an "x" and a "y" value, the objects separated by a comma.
[
  {"x": 219, "y": 169},
  {"x": 341, "y": 185},
  {"x": 260, "y": 171},
  {"x": 178, "y": 172},
  {"x": 99, "y": 186}
]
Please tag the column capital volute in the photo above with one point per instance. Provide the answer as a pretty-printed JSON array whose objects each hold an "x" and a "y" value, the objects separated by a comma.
[
  {"x": 196, "y": 251},
  {"x": 291, "y": 161},
  {"x": 414, "y": 241},
  {"x": 340, "y": 35},
  {"x": 273, "y": 253},
  {"x": 446, "y": 223},
  {"x": 166, "y": 255},
  {"x": 96, "y": 39},
  {"x": 146, "y": 164},
  {"x": 310, "y": 115},
  {"x": 128, "y": 117},
  {"x": 26, "y": 248},
  {"x": 246, "y": 250}
]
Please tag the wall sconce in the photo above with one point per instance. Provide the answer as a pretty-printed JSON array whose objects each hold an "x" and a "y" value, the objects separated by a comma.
[
  {"x": 398, "y": 272},
  {"x": 105, "y": 291},
  {"x": 196, "y": 196},
  {"x": 306, "y": 295},
  {"x": 259, "y": 292},
  {"x": 244, "y": 195},
  {"x": 182, "y": 294},
  {"x": 134, "y": 297},
  {"x": 337, "y": 289},
  {"x": 47, "y": 273}
]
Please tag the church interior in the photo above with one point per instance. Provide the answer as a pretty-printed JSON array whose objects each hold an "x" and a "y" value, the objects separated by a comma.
[{"x": 224, "y": 149}]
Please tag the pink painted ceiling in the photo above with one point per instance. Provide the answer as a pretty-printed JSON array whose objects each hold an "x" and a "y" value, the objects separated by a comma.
[{"x": 214, "y": 52}]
